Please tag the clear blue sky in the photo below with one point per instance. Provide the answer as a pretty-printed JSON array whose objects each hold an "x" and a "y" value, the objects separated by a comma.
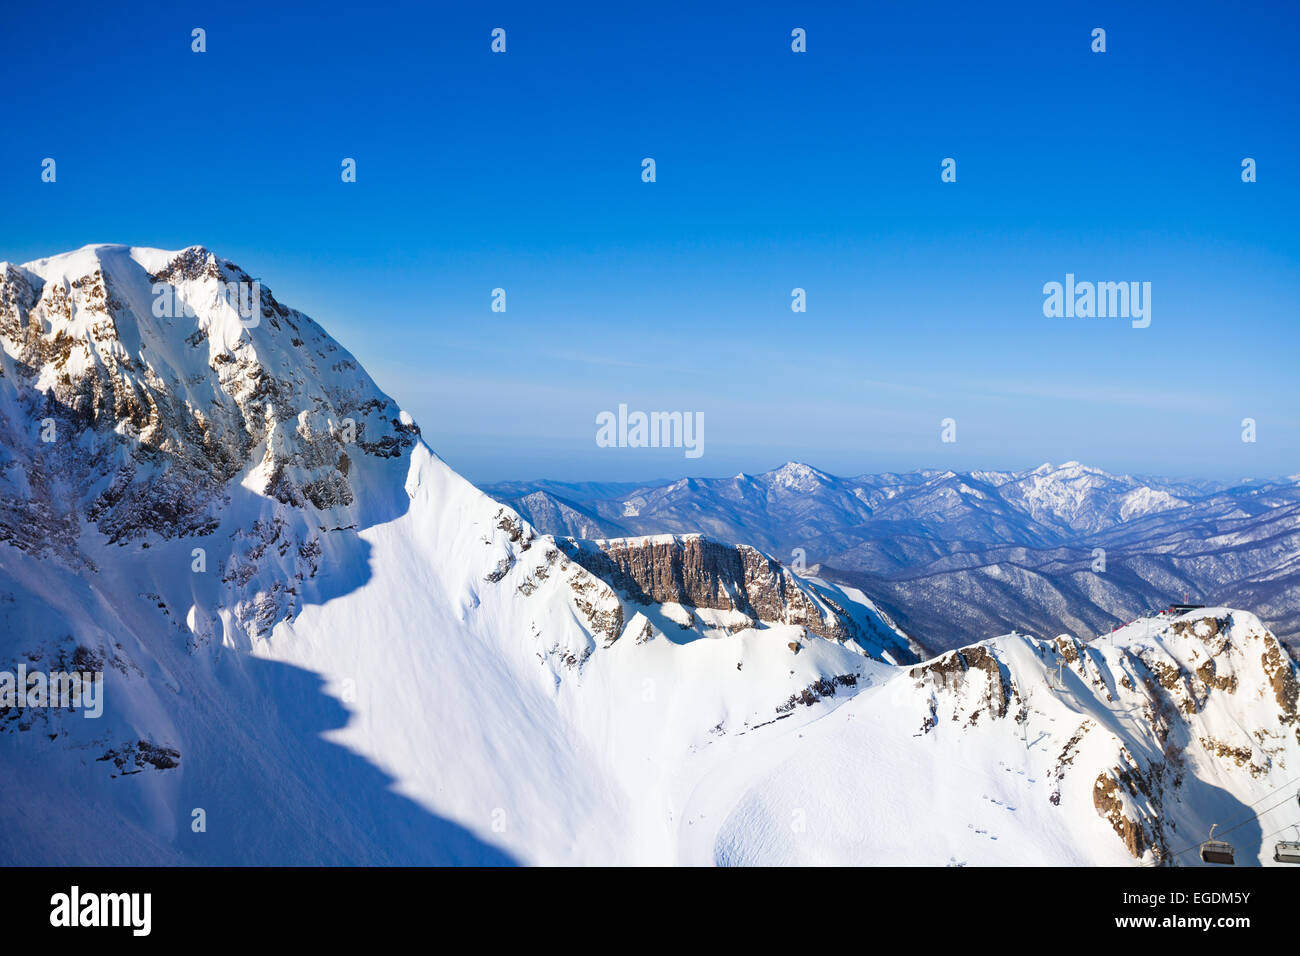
[{"x": 775, "y": 170}]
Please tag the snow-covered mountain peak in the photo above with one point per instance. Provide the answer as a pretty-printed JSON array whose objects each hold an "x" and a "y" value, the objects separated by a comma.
[
  {"x": 1084, "y": 499},
  {"x": 224, "y": 513},
  {"x": 796, "y": 476},
  {"x": 159, "y": 382},
  {"x": 1066, "y": 470},
  {"x": 93, "y": 257},
  {"x": 1076, "y": 467}
]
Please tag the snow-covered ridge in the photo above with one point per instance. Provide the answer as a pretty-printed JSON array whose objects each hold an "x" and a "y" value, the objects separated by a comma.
[
  {"x": 1124, "y": 749},
  {"x": 259, "y": 550},
  {"x": 1162, "y": 707}
]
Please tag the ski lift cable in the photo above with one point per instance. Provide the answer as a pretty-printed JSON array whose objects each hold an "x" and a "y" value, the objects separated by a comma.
[
  {"x": 1238, "y": 826},
  {"x": 1222, "y": 833},
  {"x": 1270, "y": 793},
  {"x": 1235, "y": 826},
  {"x": 1289, "y": 826},
  {"x": 1284, "y": 852}
]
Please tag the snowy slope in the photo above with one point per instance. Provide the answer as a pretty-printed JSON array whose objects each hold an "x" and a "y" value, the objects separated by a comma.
[{"x": 1158, "y": 731}]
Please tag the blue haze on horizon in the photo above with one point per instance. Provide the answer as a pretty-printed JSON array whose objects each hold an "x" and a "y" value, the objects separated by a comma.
[{"x": 775, "y": 170}]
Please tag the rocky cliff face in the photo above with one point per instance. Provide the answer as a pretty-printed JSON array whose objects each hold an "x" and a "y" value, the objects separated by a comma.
[
  {"x": 143, "y": 423},
  {"x": 695, "y": 572},
  {"x": 1156, "y": 709},
  {"x": 139, "y": 398},
  {"x": 750, "y": 588}
]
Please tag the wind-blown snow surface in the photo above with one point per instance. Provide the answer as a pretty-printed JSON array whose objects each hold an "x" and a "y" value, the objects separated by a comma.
[{"x": 380, "y": 664}]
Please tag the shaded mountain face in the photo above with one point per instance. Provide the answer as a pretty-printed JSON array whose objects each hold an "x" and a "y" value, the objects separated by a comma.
[{"x": 954, "y": 555}]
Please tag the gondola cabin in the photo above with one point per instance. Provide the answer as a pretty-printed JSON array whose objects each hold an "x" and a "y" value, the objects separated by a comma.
[
  {"x": 1287, "y": 852},
  {"x": 1216, "y": 851}
]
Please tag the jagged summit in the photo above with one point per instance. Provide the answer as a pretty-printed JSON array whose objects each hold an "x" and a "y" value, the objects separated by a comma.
[
  {"x": 157, "y": 389},
  {"x": 796, "y": 476}
]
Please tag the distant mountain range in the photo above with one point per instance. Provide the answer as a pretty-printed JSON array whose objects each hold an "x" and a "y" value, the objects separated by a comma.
[{"x": 954, "y": 556}]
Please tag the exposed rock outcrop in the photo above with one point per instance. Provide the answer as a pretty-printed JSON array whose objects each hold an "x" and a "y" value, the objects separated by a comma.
[
  {"x": 696, "y": 572},
  {"x": 141, "y": 438},
  {"x": 1165, "y": 697}
]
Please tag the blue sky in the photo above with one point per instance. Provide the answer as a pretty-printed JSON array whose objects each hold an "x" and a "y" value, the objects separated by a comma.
[{"x": 775, "y": 170}]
